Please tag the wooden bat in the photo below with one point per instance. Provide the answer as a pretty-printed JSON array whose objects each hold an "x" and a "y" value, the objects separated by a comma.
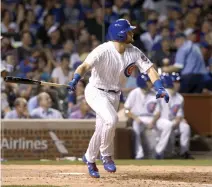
[{"x": 19, "y": 80}]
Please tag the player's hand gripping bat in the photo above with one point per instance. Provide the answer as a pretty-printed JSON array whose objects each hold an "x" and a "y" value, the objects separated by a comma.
[{"x": 19, "y": 80}]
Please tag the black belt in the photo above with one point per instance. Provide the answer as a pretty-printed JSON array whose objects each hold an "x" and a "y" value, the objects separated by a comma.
[{"x": 113, "y": 91}]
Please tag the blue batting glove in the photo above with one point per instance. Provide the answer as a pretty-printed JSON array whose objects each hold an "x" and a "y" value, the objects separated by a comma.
[
  {"x": 73, "y": 83},
  {"x": 161, "y": 92}
]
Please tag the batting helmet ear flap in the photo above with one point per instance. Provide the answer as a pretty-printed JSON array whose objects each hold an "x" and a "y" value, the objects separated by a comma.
[{"x": 122, "y": 35}]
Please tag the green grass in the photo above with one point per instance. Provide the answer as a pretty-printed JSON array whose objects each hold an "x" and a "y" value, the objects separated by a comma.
[{"x": 118, "y": 162}]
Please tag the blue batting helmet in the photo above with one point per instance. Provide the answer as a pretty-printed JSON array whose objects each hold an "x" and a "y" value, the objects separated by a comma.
[
  {"x": 167, "y": 80},
  {"x": 142, "y": 79},
  {"x": 175, "y": 76},
  {"x": 117, "y": 30}
]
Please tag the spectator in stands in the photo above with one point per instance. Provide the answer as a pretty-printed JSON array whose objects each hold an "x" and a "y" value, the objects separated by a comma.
[
  {"x": 84, "y": 112},
  {"x": 5, "y": 108},
  {"x": 73, "y": 15},
  {"x": 43, "y": 70},
  {"x": 7, "y": 48},
  {"x": 164, "y": 56},
  {"x": 110, "y": 16},
  {"x": 33, "y": 24},
  {"x": 33, "y": 101},
  {"x": 189, "y": 61},
  {"x": 205, "y": 29},
  {"x": 42, "y": 36},
  {"x": 150, "y": 37},
  {"x": 44, "y": 111},
  {"x": 120, "y": 7},
  {"x": 61, "y": 74},
  {"x": 55, "y": 40},
  {"x": 165, "y": 33},
  {"x": 95, "y": 25},
  {"x": 25, "y": 50},
  {"x": 69, "y": 48},
  {"x": 20, "y": 110},
  {"x": 7, "y": 26},
  {"x": 34, "y": 6},
  {"x": 190, "y": 35},
  {"x": 75, "y": 98},
  {"x": 28, "y": 65},
  {"x": 50, "y": 7}
]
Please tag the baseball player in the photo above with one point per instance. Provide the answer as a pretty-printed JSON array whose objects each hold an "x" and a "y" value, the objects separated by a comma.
[
  {"x": 173, "y": 113},
  {"x": 107, "y": 62},
  {"x": 143, "y": 108}
]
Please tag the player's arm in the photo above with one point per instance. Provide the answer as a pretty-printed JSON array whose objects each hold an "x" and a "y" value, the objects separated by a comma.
[
  {"x": 155, "y": 79},
  {"x": 82, "y": 69},
  {"x": 79, "y": 72},
  {"x": 128, "y": 106},
  {"x": 145, "y": 65},
  {"x": 90, "y": 61}
]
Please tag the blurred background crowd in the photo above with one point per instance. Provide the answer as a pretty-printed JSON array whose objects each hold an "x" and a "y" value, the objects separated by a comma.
[{"x": 47, "y": 40}]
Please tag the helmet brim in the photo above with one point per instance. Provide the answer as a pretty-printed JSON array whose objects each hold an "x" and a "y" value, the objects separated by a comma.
[{"x": 130, "y": 28}]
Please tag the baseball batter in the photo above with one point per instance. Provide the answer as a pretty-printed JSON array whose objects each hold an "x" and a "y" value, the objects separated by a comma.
[
  {"x": 143, "y": 108},
  {"x": 173, "y": 113},
  {"x": 107, "y": 62}
]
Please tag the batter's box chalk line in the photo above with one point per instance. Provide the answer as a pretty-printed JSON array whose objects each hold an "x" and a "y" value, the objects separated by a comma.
[{"x": 71, "y": 173}]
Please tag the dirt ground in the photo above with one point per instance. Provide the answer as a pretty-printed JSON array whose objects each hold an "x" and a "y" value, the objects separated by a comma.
[{"x": 126, "y": 176}]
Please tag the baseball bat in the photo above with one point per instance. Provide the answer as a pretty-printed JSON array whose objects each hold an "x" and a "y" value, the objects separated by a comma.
[{"x": 19, "y": 80}]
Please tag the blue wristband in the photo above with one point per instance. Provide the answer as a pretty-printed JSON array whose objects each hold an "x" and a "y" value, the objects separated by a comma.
[
  {"x": 77, "y": 77},
  {"x": 158, "y": 85}
]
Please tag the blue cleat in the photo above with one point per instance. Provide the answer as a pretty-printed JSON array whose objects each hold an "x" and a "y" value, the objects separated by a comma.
[
  {"x": 108, "y": 163},
  {"x": 158, "y": 157},
  {"x": 92, "y": 169}
]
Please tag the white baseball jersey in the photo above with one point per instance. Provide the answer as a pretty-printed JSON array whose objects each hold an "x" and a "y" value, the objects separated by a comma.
[
  {"x": 108, "y": 64},
  {"x": 174, "y": 108},
  {"x": 141, "y": 104}
]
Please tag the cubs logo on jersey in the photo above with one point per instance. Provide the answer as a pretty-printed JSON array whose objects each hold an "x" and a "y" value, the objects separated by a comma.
[
  {"x": 129, "y": 69},
  {"x": 151, "y": 107},
  {"x": 174, "y": 109}
]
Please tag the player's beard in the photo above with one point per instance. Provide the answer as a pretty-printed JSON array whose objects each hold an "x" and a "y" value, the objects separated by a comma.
[{"x": 129, "y": 39}]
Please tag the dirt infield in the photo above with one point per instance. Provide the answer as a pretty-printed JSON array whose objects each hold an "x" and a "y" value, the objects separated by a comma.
[{"x": 126, "y": 176}]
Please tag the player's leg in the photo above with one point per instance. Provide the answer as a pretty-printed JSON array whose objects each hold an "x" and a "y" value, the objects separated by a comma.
[
  {"x": 108, "y": 134},
  {"x": 109, "y": 149},
  {"x": 165, "y": 128},
  {"x": 100, "y": 103},
  {"x": 95, "y": 142},
  {"x": 185, "y": 133},
  {"x": 137, "y": 129}
]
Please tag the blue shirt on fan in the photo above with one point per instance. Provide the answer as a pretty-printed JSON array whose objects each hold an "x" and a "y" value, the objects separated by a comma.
[{"x": 189, "y": 58}]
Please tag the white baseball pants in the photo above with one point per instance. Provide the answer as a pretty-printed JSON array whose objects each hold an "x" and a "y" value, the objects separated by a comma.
[
  {"x": 105, "y": 105},
  {"x": 162, "y": 125},
  {"x": 184, "y": 131}
]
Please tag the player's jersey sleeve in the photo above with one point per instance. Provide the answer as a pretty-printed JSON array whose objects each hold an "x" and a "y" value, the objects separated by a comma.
[
  {"x": 130, "y": 101},
  {"x": 95, "y": 56},
  {"x": 142, "y": 62}
]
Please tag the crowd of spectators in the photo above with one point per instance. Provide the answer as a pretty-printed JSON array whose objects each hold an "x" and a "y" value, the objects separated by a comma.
[{"x": 47, "y": 40}]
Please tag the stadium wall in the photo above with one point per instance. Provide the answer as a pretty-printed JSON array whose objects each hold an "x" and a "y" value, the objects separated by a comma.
[{"x": 51, "y": 139}]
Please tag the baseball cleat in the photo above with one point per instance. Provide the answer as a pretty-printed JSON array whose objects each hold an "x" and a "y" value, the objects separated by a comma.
[
  {"x": 92, "y": 169},
  {"x": 108, "y": 163},
  {"x": 158, "y": 157}
]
